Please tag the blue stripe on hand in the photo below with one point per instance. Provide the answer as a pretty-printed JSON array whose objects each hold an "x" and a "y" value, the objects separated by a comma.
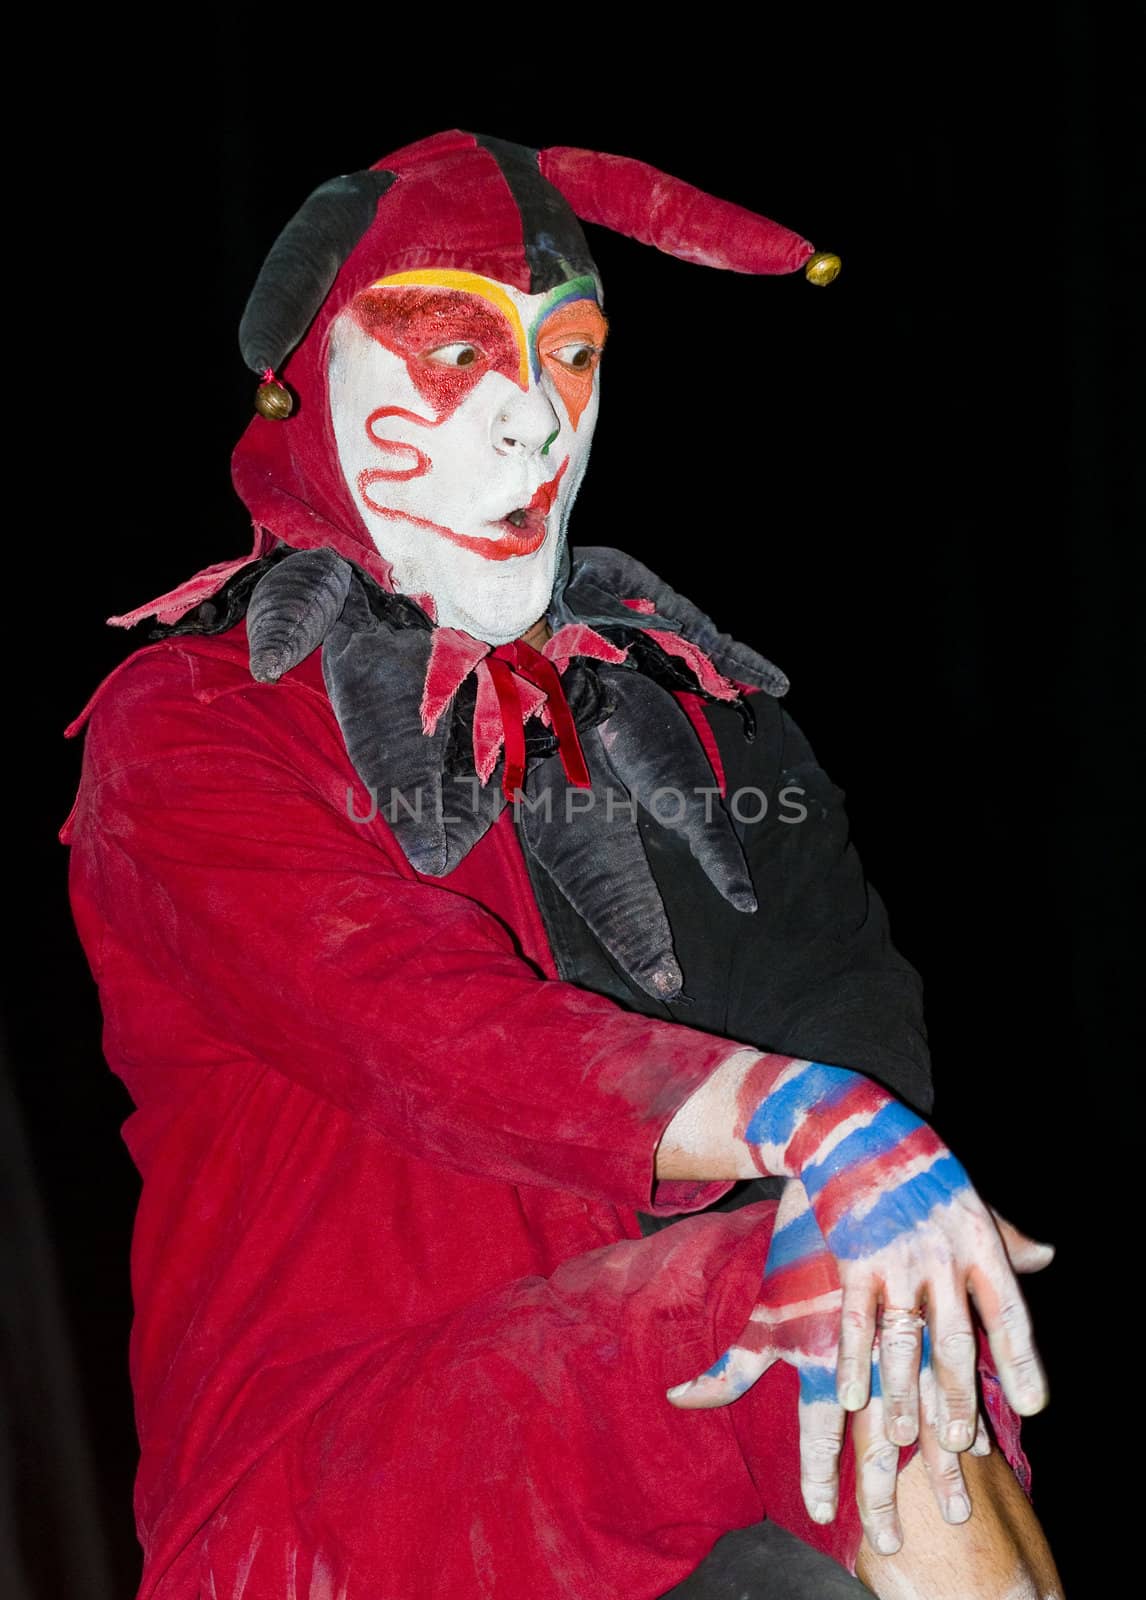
[
  {"x": 793, "y": 1242},
  {"x": 887, "y": 1128},
  {"x": 717, "y": 1368},
  {"x": 775, "y": 1118},
  {"x": 897, "y": 1211},
  {"x": 817, "y": 1383}
]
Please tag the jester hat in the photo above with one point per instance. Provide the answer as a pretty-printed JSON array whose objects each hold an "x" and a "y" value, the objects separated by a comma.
[{"x": 458, "y": 201}]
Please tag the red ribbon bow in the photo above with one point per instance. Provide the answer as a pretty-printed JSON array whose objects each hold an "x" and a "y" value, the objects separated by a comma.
[{"x": 522, "y": 659}]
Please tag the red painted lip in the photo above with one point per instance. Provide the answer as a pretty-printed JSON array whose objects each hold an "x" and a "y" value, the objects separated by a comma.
[
  {"x": 523, "y": 540},
  {"x": 545, "y": 494},
  {"x": 512, "y": 541}
]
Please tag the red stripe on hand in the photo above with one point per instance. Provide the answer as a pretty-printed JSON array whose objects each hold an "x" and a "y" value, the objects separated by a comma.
[
  {"x": 840, "y": 1193},
  {"x": 758, "y": 1084},
  {"x": 803, "y": 1280},
  {"x": 863, "y": 1098},
  {"x": 814, "y": 1335}
]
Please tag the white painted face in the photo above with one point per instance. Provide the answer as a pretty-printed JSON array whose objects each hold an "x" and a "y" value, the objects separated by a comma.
[{"x": 463, "y": 412}]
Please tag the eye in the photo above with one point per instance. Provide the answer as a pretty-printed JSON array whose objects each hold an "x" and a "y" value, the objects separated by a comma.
[
  {"x": 454, "y": 355},
  {"x": 579, "y": 357}
]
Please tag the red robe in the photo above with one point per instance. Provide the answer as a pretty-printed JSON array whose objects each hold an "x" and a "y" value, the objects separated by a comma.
[{"x": 396, "y": 1331}]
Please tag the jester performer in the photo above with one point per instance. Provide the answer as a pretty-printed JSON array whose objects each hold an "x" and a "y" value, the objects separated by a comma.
[{"x": 475, "y": 934}]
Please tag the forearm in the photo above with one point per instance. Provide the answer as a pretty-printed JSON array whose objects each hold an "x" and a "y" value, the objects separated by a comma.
[
  {"x": 701, "y": 1142},
  {"x": 785, "y": 1116}
]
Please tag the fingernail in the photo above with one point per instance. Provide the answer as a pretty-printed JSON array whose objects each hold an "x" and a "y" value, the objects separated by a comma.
[
  {"x": 957, "y": 1509},
  {"x": 958, "y": 1435},
  {"x": 1032, "y": 1398},
  {"x": 823, "y": 1511},
  {"x": 902, "y": 1431},
  {"x": 675, "y": 1393},
  {"x": 886, "y": 1542},
  {"x": 853, "y": 1396}
]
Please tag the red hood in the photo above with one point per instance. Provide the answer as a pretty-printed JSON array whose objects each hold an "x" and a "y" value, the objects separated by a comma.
[{"x": 287, "y": 473}]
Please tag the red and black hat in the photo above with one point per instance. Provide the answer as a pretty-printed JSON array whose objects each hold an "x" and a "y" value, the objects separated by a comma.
[
  {"x": 455, "y": 201},
  {"x": 505, "y": 211}
]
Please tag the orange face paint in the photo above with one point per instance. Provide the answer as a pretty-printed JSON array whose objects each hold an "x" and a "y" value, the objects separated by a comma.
[{"x": 579, "y": 323}]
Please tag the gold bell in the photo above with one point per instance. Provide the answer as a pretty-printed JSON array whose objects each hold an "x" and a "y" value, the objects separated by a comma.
[
  {"x": 822, "y": 268},
  {"x": 273, "y": 400}
]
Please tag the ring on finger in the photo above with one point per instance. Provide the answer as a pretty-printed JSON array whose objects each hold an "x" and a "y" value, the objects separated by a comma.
[{"x": 901, "y": 1318}]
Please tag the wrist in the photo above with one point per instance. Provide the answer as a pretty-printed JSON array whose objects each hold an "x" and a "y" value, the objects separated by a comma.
[
  {"x": 698, "y": 1142},
  {"x": 804, "y": 1119},
  {"x": 791, "y": 1111},
  {"x": 869, "y": 1166}
]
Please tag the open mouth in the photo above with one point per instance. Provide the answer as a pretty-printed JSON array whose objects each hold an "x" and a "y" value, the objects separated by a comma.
[
  {"x": 519, "y": 533},
  {"x": 522, "y": 530}
]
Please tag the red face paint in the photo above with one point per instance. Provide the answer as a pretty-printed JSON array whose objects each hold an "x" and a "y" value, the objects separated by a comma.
[
  {"x": 420, "y": 462},
  {"x": 513, "y": 541},
  {"x": 414, "y": 322}
]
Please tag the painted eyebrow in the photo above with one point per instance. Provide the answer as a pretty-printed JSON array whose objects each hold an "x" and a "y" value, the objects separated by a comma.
[
  {"x": 481, "y": 288},
  {"x": 576, "y": 289}
]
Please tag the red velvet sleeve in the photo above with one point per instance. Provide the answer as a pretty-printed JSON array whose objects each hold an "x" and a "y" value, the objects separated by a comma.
[{"x": 217, "y": 873}]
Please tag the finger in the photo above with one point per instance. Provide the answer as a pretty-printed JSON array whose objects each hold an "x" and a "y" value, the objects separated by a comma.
[
  {"x": 953, "y": 1349},
  {"x": 982, "y": 1445},
  {"x": 821, "y": 1440},
  {"x": 1004, "y": 1316},
  {"x": 726, "y": 1380},
  {"x": 945, "y": 1477},
  {"x": 857, "y": 1335},
  {"x": 944, "y": 1472},
  {"x": 877, "y": 1467},
  {"x": 1024, "y": 1253},
  {"x": 900, "y": 1352}
]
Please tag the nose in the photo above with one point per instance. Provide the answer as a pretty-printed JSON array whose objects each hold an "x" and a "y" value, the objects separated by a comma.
[{"x": 523, "y": 422}]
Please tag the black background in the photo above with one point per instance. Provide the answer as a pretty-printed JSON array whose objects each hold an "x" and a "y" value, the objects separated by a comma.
[{"x": 912, "y": 490}]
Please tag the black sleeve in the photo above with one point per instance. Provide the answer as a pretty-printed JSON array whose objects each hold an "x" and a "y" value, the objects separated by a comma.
[{"x": 814, "y": 973}]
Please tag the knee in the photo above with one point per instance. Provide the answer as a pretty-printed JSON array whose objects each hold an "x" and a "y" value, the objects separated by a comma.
[
  {"x": 1001, "y": 1552},
  {"x": 1016, "y": 1539},
  {"x": 1033, "y": 1575}
]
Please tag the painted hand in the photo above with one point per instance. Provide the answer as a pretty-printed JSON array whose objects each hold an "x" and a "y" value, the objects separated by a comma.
[
  {"x": 908, "y": 1234},
  {"x": 797, "y": 1320}
]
